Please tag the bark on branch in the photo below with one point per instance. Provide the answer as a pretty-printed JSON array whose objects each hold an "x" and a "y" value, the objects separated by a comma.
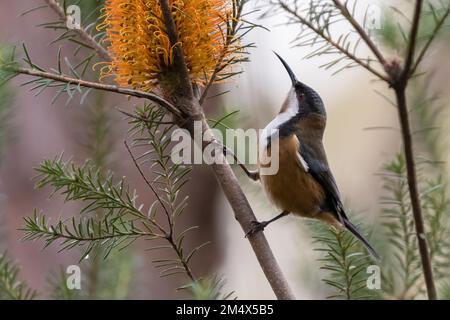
[
  {"x": 400, "y": 86},
  {"x": 82, "y": 33}
]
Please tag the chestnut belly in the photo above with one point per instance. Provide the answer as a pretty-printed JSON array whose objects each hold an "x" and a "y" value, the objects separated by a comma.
[{"x": 292, "y": 188}]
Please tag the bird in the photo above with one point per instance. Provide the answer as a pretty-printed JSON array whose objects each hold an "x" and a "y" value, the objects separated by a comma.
[{"x": 304, "y": 184}]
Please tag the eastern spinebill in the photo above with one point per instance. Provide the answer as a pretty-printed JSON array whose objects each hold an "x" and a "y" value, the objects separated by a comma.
[{"x": 304, "y": 184}]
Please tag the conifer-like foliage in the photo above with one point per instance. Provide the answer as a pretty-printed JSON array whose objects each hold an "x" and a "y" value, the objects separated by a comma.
[
  {"x": 344, "y": 262},
  {"x": 125, "y": 220},
  {"x": 6, "y": 99},
  {"x": 171, "y": 71},
  {"x": 402, "y": 273},
  {"x": 11, "y": 287}
]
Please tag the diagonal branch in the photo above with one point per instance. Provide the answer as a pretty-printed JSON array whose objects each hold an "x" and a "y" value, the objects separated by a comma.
[
  {"x": 430, "y": 40},
  {"x": 412, "y": 40},
  {"x": 99, "y": 86},
  {"x": 168, "y": 235},
  {"x": 333, "y": 43},
  {"x": 147, "y": 182},
  {"x": 363, "y": 34},
  {"x": 82, "y": 33}
]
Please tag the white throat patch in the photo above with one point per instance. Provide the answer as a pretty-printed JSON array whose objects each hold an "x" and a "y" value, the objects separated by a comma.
[{"x": 289, "y": 113}]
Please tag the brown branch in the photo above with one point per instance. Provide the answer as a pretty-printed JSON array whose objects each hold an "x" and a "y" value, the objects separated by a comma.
[
  {"x": 99, "y": 86},
  {"x": 329, "y": 40},
  {"x": 81, "y": 32},
  {"x": 147, "y": 182},
  {"x": 424, "y": 50},
  {"x": 179, "y": 64},
  {"x": 180, "y": 256},
  {"x": 412, "y": 40},
  {"x": 400, "y": 85},
  {"x": 363, "y": 34},
  {"x": 414, "y": 193}
]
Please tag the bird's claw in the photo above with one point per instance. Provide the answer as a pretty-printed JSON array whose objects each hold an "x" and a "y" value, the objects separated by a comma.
[{"x": 256, "y": 227}]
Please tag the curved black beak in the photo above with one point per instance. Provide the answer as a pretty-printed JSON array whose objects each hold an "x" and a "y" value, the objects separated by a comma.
[{"x": 288, "y": 69}]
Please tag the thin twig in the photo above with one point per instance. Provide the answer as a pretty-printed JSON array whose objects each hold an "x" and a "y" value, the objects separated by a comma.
[
  {"x": 328, "y": 39},
  {"x": 146, "y": 120},
  {"x": 412, "y": 40},
  {"x": 147, "y": 182},
  {"x": 254, "y": 175},
  {"x": 99, "y": 86},
  {"x": 71, "y": 236},
  {"x": 180, "y": 255},
  {"x": 424, "y": 50},
  {"x": 82, "y": 33},
  {"x": 363, "y": 34},
  {"x": 169, "y": 234},
  {"x": 212, "y": 79}
]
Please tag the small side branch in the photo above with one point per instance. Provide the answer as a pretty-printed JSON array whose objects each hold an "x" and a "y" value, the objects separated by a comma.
[
  {"x": 430, "y": 40},
  {"x": 254, "y": 175},
  {"x": 330, "y": 41},
  {"x": 99, "y": 86},
  {"x": 82, "y": 33},
  {"x": 412, "y": 40},
  {"x": 169, "y": 234},
  {"x": 363, "y": 34}
]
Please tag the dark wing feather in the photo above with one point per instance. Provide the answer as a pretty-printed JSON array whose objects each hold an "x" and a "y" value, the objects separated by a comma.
[
  {"x": 314, "y": 155},
  {"x": 316, "y": 159}
]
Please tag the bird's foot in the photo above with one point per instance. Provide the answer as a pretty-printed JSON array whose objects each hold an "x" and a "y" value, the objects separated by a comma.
[{"x": 256, "y": 227}]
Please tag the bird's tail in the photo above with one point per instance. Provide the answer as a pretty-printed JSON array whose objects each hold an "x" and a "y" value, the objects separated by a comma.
[{"x": 351, "y": 227}]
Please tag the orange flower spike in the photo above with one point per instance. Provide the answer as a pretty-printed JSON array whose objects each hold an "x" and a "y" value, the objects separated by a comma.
[{"x": 140, "y": 47}]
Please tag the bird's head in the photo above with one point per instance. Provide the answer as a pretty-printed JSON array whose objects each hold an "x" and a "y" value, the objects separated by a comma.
[{"x": 302, "y": 100}]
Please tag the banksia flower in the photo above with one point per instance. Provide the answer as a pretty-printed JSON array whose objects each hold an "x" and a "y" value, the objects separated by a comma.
[{"x": 141, "y": 51}]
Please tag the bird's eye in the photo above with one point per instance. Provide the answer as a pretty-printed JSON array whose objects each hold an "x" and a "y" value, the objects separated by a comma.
[{"x": 301, "y": 96}]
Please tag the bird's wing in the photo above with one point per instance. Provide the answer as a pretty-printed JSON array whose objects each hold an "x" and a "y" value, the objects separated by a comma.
[{"x": 314, "y": 156}]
